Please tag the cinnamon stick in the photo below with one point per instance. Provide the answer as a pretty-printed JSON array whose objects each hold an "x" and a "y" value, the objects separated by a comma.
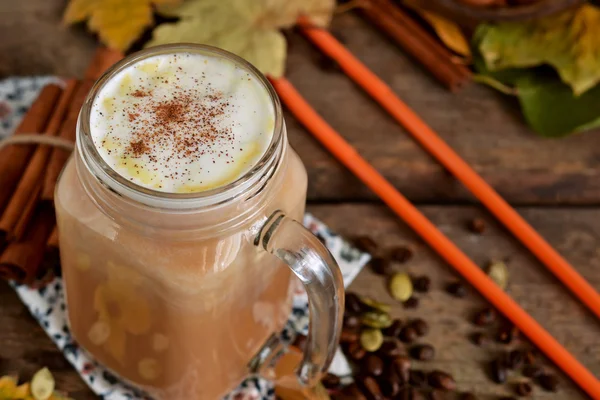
[
  {"x": 103, "y": 59},
  {"x": 13, "y": 159},
  {"x": 20, "y": 208},
  {"x": 419, "y": 43},
  {"x": 21, "y": 260}
]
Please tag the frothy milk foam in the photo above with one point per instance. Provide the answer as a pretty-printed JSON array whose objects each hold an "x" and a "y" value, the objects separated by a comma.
[{"x": 182, "y": 122}]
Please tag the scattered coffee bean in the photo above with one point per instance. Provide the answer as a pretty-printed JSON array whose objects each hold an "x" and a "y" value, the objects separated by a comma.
[
  {"x": 468, "y": 396},
  {"x": 477, "y": 225},
  {"x": 350, "y": 392},
  {"x": 401, "y": 254},
  {"x": 394, "y": 329},
  {"x": 401, "y": 287},
  {"x": 417, "y": 378},
  {"x": 353, "y": 304},
  {"x": 498, "y": 371},
  {"x": 423, "y": 352},
  {"x": 371, "y": 339},
  {"x": 366, "y": 244},
  {"x": 355, "y": 351},
  {"x": 348, "y": 336},
  {"x": 436, "y": 395},
  {"x": 422, "y": 284},
  {"x": 373, "y": 365},
  {"x": 372, "y": 304},
  {"x": 507, "y": 334},
  {"x": 421, "y": 327},
  {"x": 523, "y": 389},
  {"x": 514, "y": 359},
  {"x": 441, "y": 380},
  {"x": 480, "y": 339},
  {"x": 331, "y": 381},
  {"x": 380, "y": 266},
  {"x": 351, "y": 322},
  {"x": 498, "y": 272},
  {"x": 401, "y": 366},
  {"x": 391, "y": 348},
  {"x": 389, "y": 383},
  {"x": 457, "y": 289},
  {"x": 529, "y": 357},
  {"x": 408, "y": 334},
  {"x": 485, "y": 317},
  {"x": 300, "y": 342},
  {"x": 412, "y": 302},
  {"x": 548, "y": 382},
  {"x": 532, "y": 371},
  {"x": 371, "y": 388},
  {"x": 408, "y": 393},
  {"x": 376, "y": 319}
]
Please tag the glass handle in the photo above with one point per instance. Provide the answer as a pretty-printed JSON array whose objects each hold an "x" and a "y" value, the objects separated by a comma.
[{"x": 314, "y": 265}]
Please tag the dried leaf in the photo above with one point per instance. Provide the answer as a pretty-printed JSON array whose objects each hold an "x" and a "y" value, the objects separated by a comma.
[
  {"x": 567, "y": 41},
  {"x": 118, "y": 23},
  {"x": 449, "y": 32},
  {"x": 249, "y": 29}
]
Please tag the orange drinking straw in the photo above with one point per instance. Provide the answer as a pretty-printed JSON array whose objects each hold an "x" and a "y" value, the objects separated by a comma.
[
  {"x": 348, "y": 156},
  {"x": 384, "y": 95}
]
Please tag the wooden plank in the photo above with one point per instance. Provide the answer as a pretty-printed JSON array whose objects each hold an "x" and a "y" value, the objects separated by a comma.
[{"x": 574, "y": 232}]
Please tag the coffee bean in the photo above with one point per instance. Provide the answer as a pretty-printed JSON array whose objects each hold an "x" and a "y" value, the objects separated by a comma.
[
  {"x": 400, "y": 286},
  {"x": 529, "y": 357},
  {"x": 507, "y": 398},
  {"x": 532, "y": 371},
  {"x": 366, "y": 244},
  {"x": 330, "y": 381},
  {"x": 394, "y": 329},
  {"x": 408, "y": 393},
  {"x": 422, "y": 284},
  {"x": 380, "y": 266},
  {"x": 371, "y": 388},
  {"x": 408, "y": 334},
  {"x": 477, "y": 225},
  {"x": 401, "y": 254},
  {"x": 300, "y": 342},
  {"x": 412, "y": 302},
  {"x": 498, "y": 371},
  {"x": 441, "y": 380},
  {"x": 389, "y": 383},
  {"x": 373, "y": 365},
  {"x": 507, "y": 334},
  {"x": 523, "y": 389},
  {"x": 402, "y": 368},
  {"x": 417, "y": 378},
  {"x": 421, "y": 327},
  {"x": 350, "y": 392},
  {"x": 353, "y": 304},
  {"x": 356, "y": 352},
  {"x": 548, "y": 382},
  {"x": 468, "y": 396},
  {"x": 436, "y": 395},
  {"x": 374, "y": 305},
  {"x": 371, "y": 339},
  {"x": 480, "y": 339},
  {"x": 457, "y": 289},
  {"x": 391, "y": 348},
  {"x": 423, "y": 352},
  {"x": 348, "y": 336},
  {"x": 351, "y": 322},
  {"x": 485, "y": 317},
  {"x": 514, "y": 359},
  {"x": 376, "y": 319}
]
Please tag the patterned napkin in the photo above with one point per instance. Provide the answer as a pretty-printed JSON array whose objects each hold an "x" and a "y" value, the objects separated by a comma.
[{"x": 47, "y": 304}]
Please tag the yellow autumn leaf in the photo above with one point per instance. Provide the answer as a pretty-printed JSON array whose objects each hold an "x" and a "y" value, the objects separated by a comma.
[
  {"x": 250, "y": 29},
  {"x": 448, "y": 32},
  {"x": 118, "y": 23}
]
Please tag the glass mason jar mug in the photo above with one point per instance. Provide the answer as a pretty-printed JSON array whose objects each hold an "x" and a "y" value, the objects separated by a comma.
[{"x": 185, "y": 294}]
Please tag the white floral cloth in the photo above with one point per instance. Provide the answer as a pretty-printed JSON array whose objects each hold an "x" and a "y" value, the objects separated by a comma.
[{"x": 48, "y": 306}]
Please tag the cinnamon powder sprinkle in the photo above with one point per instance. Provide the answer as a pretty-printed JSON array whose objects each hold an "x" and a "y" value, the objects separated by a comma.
[{"x": 140, "y": 93}]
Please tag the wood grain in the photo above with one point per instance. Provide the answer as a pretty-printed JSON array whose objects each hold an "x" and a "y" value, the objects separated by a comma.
[{"x": 575, "y": 232}]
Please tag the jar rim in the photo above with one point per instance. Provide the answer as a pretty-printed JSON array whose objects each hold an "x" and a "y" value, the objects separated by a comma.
[{"x": 150, "y": 197}]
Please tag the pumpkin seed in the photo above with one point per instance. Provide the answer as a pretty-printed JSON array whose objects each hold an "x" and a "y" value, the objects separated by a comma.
[
  {"x": 376, "y": 319},
  {"x": 401, "y": 287},
  {"x": 375, "y": 304},
  {"x": 42, "y": 384},
  {"x": 498, "y": 272},
  {"x": 371, "y": 339}
]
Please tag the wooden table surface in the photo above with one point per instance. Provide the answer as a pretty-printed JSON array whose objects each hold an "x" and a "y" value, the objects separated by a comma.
[{"x": 554, "y": 184}]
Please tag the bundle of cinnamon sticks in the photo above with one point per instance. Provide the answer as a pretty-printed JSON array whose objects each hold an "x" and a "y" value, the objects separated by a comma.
[
  {"x": 417, "y": 41},
  {"x": 28, "y": 175}
]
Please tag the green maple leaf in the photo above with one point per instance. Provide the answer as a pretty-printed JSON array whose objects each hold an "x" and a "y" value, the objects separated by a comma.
[
  {"x": 569, "y": 42},
  {"x": 248, "y": 28}
]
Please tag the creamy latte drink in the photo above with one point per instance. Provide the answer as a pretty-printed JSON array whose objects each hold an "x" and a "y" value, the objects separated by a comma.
[{"x": 165, "y": 285}]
